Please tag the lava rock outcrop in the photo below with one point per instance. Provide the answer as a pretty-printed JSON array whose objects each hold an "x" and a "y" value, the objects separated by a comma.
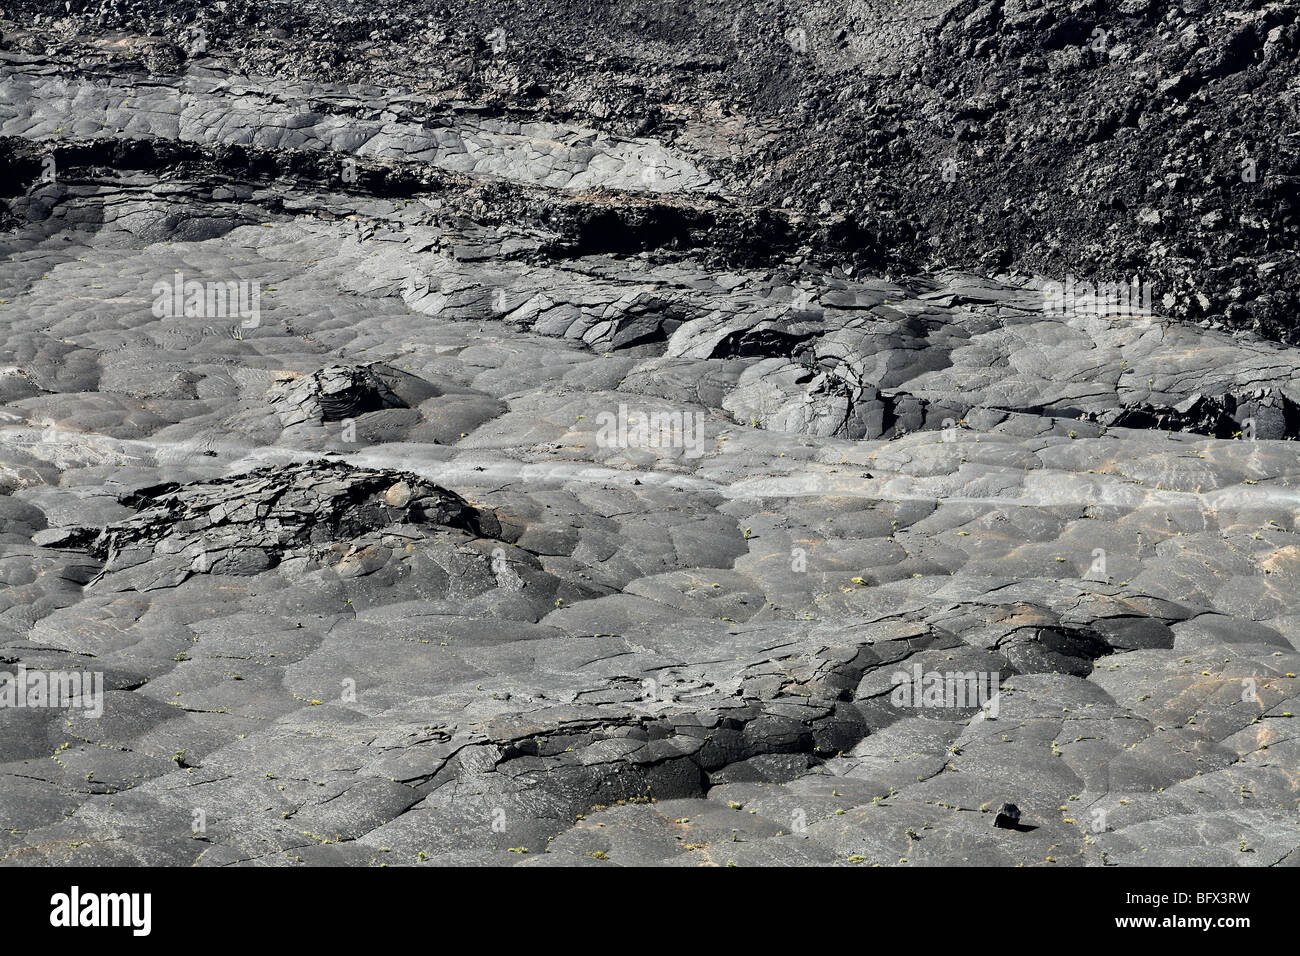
[{"x": 247, "y": 523}]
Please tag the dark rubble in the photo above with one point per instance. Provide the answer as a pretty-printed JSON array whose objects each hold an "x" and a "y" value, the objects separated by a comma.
[{"x": 568, "y": 499}]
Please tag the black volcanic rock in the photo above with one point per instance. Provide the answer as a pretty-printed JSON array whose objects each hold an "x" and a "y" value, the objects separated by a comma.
[
  {"x": 336, "y": 393},
  {"x": 1007, "y": 817},
  {"x": 247, "y": 523}
]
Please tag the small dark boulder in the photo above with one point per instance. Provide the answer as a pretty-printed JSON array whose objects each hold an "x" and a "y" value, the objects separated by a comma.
[{"x": 1008, "y": 817}]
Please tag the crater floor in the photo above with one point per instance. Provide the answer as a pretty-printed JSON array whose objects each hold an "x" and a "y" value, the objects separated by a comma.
[{"x": 485, "y": 509}]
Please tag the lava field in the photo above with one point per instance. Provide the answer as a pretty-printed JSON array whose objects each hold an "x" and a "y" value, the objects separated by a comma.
[{"x": 649, "y": 433}]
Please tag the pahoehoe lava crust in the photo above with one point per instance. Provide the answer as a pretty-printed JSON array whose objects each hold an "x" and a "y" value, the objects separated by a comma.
[{"x": 658, "y": 434}]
